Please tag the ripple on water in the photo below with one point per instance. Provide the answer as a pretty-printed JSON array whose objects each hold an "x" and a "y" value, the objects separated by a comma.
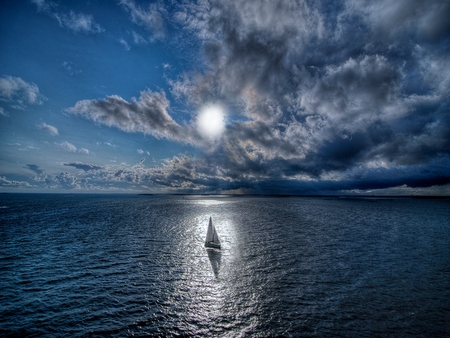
[{"x": 136, "y": 265}]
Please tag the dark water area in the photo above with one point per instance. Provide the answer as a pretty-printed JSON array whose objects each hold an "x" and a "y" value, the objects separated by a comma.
[{"x": 115, "y": 266}]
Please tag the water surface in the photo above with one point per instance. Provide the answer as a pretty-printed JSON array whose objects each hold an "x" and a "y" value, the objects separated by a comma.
[{"x": 105, "y": 265}]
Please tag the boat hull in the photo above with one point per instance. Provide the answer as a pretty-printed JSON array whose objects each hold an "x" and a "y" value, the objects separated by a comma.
[{"x": 212, "y": 245}]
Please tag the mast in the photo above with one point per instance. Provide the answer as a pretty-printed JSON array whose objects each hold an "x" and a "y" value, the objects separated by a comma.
[
  {"x": 209, "y": 234},
  {"x": 215, "y": 238}
]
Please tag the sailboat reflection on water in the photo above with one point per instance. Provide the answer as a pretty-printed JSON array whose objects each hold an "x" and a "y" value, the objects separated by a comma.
[
  {"x": 212, "y": 238},
  {"x": 215, "y": 257}
]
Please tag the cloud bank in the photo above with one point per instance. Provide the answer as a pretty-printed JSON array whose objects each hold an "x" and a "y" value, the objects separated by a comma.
[{"x": 320, "y": 97}]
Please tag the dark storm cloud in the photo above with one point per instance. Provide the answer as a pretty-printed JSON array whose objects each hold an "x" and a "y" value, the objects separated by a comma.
[
  {"x": 35, "y": 168},
  {"x": 325, "y": 89},
  {"x": 248, "y": 45},
  {"x": 188, "y": 175},
  {"x": 356, "y": 94},
  {"x": 423, "y": 19},
  {"x": 320, "y": 96},
  {"x": 83, "y": 166},
  {"x": 204, "y": 175}
]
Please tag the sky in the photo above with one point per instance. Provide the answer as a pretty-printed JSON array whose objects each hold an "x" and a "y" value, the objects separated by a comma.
[{"x": 225, "y": 97}]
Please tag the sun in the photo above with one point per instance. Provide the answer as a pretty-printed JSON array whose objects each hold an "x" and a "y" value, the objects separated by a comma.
[{"x": 210, "y": 121}]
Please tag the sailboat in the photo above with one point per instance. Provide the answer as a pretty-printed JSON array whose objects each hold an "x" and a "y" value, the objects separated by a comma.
[{"x": 212, "y": 239}]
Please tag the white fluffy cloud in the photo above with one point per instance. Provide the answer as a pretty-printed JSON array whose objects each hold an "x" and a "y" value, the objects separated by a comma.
[
  {"x": 148, "y": 114},
  {"x": 18, "y": 92},
  {"x": 67, "y": 146},
  {"x": 13, "y": 183},
  {"x": 52, "y": 130}
]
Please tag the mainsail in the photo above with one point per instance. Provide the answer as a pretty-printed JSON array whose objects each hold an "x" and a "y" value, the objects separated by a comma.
[{"x": 212, "y": 239}]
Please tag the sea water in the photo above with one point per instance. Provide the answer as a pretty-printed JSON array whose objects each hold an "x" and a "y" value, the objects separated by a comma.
[{"x": 110, "y": 265}]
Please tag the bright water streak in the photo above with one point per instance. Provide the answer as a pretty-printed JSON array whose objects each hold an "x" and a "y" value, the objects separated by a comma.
[{"x": 75, "y": 265}]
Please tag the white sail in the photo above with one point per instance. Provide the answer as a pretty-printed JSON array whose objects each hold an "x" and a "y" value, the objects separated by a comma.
[{"x": 212, "y": 238}]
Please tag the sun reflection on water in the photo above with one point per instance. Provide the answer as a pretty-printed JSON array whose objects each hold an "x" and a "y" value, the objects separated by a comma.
[
  {"x": 210, "y": 202},
  {"x": 205, "y": 284}
]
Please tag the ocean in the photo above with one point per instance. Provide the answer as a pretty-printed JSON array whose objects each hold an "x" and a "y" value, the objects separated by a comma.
[{"x": 135, "y": 266}]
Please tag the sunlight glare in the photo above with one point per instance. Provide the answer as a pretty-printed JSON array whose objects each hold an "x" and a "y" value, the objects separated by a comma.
[
  {"x": 210, "y": 202},
  {"x": 210, "y": 121}
]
